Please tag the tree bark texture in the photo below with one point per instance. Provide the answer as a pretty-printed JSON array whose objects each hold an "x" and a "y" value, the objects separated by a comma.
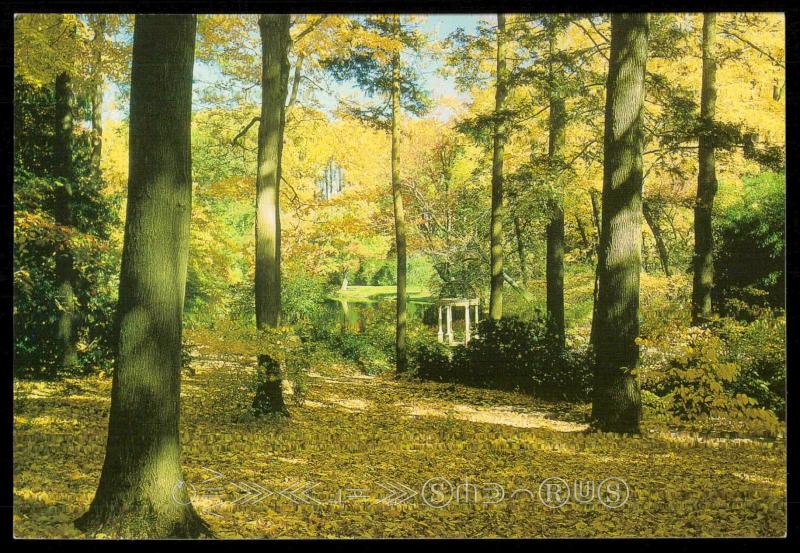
[
  {"x": 141, "y": 491},
  {"x": 401, "y": 354},
  {"x": 703, "y": 260},
  {"x": 66, "y": 300},
  {"x": 616, "y": 404},
  {"x": 498, "y": 146}
]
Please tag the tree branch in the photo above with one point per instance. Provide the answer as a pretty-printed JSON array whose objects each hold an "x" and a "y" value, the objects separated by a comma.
[
  {"x": 244, "y": 130},
  {"x": 309, "y": 28},
  {"x": 761, "y": 51}
]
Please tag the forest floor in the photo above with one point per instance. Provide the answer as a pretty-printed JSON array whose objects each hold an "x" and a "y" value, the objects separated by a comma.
[{"x": 380, "y": 457}]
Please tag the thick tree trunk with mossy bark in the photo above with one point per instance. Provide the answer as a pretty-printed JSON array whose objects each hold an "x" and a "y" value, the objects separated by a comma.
[
  {"x": 66, "y": 301},
  {"x": 703, "y": 259},
  {"x": 555, "y": 228},
  {"x": 275, "y": 43},
  {"x": 616, "y": 402},
  {"x": 498, "y": 146},
  {"x": 401, "y": 354},
  {"x": 141, "y": 492}
]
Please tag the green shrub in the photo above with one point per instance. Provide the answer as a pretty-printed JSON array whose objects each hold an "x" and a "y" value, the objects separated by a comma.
[
  {"x": 303, "y": 297},
  {"x": 697, "y": 386},
  {"x": 372, "y": 349},
  {"x": 759, "y": 350},
  {"x": 369, "y": 357},
  {"x": 385, "y": 276},
  {"x": 750, "y": 247},
  {"x": 510, "y": 354},
  {"x": 430, "y": 360},
  {"x": 38, "y": 239}
]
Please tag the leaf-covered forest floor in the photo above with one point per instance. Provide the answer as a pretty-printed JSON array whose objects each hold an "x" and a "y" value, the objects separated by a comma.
[{"x": 380, "y": 457}]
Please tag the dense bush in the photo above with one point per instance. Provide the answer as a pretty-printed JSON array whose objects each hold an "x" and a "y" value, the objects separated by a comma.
[
  {"x": 375, "y": 272},
  {"x": 510, "y": 354},
  {"x": 430, "y": 359},
  {"x": 698, "y": 387},
  {"x": 759, "y": 351},
  {"x": 730, "y": 374},
  {"x": 385, "y": 276},
  {"x": 750, "y": 247},
  {"x": 371, "y": 346},
  {"x": 38, "y": 239},
  {"x": 303, "y": 296}
]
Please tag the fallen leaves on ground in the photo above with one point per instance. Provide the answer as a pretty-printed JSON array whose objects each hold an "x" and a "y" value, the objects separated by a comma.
[{"x": 384, "y": 457}]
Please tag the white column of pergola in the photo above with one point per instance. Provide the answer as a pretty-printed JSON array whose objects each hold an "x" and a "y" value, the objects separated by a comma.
[{"x": 448, "y": 304}]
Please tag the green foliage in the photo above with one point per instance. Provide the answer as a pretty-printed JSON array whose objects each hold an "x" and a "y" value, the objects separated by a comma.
[
  {"x": 366, "y": 63},
  {"x": 510, "y": 354},
  {"x": 370, "y": 358},
  {"x": 370, "y": 346},
  {"x": 375, "y": 272},
  {"x": 385, "y": 276},
  {"x": 431, "y": 360},
  {"x": 759, "y": 350},
  {"x": 33, "y": 140},
  {"x": 302, "y": 297},
  {"x": 750, "y": 248},
  {"x": 697, "y": 374},
  {"x": 38, "y": 238}
]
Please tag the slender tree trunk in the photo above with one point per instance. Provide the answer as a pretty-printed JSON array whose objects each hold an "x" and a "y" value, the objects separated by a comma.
[
  {"x": 298, "y": 74},
  {"x": 661, "y": 247},
  {"x": 496, "y": 252},
  {"x": 706, "y": 179},
  {"x": 98, "y": 44},
  {"x": 141, "y": 492},
  {"x": 555, "y": 228},
  {"x": 67, "y": 319},
  {"x": 399, "y": 213},
  {"x": 593, "y": 195},
  {"x": 275, "y": 43},
  {"x": 582, "y": 231},
  {"x": 616, "y": 405},
  {"x": 523, "y": 269}
]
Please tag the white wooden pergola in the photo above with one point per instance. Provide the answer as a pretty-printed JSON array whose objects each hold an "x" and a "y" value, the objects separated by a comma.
[{"x": 447, "y": 304}]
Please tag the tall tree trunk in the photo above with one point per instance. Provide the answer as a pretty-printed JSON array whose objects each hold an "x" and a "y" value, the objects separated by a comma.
[
  {"x": 523, "y": 268},
  {"x": 706, "y": 179},
  {"x": 66, "y": 302},
  {"x": 554, "y": 270},
  {"x": 399, "y": 214},
  {"x": 661, "y": 247},
  {"x": 298, "y": 74},
  {"x": 141, "y": 492},
  {"x": 582, "y": 231},
  {"x": 499, "y": 139},
  {"x": 98, "y": 44},
  {"x": 275, "y": 43},
  {"x": 616, "y": 405},
  {"x": 593, "y": 195}
]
